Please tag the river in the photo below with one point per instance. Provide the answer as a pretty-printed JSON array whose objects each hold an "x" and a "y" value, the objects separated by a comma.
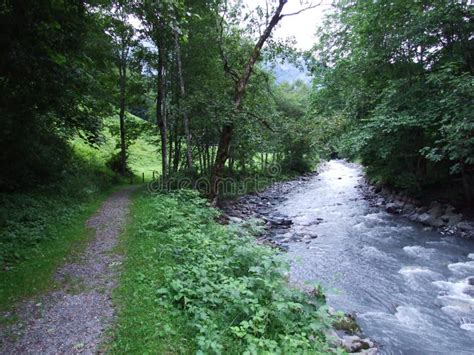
[{"x": 409, "y": 287}]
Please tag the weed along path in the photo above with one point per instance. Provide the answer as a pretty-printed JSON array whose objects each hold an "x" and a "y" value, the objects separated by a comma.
[{"x": 75, "y": 317}]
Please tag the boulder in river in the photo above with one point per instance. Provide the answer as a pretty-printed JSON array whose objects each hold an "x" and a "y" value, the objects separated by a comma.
[
  {"x": 236, "y": 220},
  {"x": 353, "y": 343},
  {"x": 451, "y": 218},
  {"x": 429, "y": 220},
  {"x": 436, "y": 210},
  {"x": 466, "y": 227},
  {"x": 394, "y": 207},
  {"x": 279, "y": 221}
]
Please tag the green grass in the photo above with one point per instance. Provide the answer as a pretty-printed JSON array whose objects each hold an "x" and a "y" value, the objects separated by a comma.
[
  {"x": 144, "y": 156},
  {"x": 32, "y": 274},
  {"x": 40, "y": 227},
  {"x": 191, "y": 285}
]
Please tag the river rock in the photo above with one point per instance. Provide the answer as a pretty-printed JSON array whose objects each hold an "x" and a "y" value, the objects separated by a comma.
[
  {"x": 436, "y": 209},
  {"x": 378, "y": 186},
  {"x": 235, "y": 220},
  {"x": 279, "y": 221},
  {"x": 466, "y": 227},
  {"x": 469, "y": 292},
  {"x": 429, "y": 220},
  {"x": 408, "y": 208},
  {"x": 353, "y": 343},
  {"x": 394, "y": 207},
  {"x": 421, "y": 209},
  {"x": 451, "y": 218},
  {"x": 423, "y": 218},
  {"x": 371, "y": 351}
]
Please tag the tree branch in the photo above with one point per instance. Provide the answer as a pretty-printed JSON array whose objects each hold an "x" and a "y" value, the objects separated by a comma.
[
  {"x": 242, "y": 83},
  {"x": 225, "y": 61},
  {"x": 303, "y": 10},
  {"x": 260, "y": 119}
]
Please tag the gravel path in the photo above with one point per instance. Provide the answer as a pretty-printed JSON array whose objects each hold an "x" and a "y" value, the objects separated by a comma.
[{"x": 75, "y": 318}]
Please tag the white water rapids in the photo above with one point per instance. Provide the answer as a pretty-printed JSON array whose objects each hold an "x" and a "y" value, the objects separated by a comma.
[{"x": 411, "y": 289}]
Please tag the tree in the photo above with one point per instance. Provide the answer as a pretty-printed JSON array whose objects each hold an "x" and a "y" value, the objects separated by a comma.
[
  {"x": 399, "y": 74},
  {"x": 51, "y": 69},
  {"x": 187, "y": 132},
  {"x": 122, "y": 34},
  {"x": 241, "y": 81},
  {"x": 156, "y": 18}
]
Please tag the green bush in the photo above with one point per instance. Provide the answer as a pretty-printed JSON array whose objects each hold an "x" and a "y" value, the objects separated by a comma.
[
  {"x": 193, "y": 285},
  {"x": 29, "y": 218}
]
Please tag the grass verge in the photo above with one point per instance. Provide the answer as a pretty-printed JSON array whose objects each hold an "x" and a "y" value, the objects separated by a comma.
[
  {"x": 33, "y": 273},
  {"x": 191, "y": 285}
]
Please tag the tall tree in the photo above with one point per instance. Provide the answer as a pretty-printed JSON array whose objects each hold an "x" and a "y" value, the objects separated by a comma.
[
  {"x": 241, "y": 81},
  {"x": 187, "y": 131},
  {"x": 122, "y": 34},
  {"x": 50, "y": 76},
  {"x": 400, "y": 74},
  {"x": 156, "y": 18}
]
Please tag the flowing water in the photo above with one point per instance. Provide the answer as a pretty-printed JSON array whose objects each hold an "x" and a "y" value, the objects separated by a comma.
[{"x": 409, "y": 287}]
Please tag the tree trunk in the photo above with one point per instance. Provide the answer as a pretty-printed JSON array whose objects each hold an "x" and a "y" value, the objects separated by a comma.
[
  {"x": 208, "y": 158},
  {"x": 160, "y": 110},
  {"x": 123, "y": 83},
  {"x": 170, "y": 148},
  {"x": 240, "y": 87},
  {"x": 123, "y": 146},
  {"x": 177, "y": 150},
  {"x": 187, "y": 132},
  {"x": 201, "y": 169}
]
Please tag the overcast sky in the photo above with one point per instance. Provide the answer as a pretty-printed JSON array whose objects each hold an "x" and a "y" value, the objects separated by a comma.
[{"x": 302, "y": 26}]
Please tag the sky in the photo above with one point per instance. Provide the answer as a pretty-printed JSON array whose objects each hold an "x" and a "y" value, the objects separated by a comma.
[{"x": 302, "y": 26}]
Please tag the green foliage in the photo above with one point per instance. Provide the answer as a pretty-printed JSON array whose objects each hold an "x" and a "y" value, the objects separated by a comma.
[
  {"x": 296, "y": 129},
  {"x": 398, "y": 76},
  {"x": 142, "y": 151},
  {"x": 192, "y": 285},
  {"x": 29, "y": 219},
  {"x": 50, "y": 74}
]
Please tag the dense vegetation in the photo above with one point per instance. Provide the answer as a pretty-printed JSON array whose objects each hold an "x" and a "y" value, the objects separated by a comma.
[
  {"x": 90, "y": 98},
  {"x": 192, "y": 69},
  {"x": 96, "y": 92},
  {"x": 394, "y": 87},
  {"x": 192, "y": 285}
]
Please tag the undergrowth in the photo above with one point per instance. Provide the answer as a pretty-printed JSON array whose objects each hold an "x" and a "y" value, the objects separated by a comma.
[
  {"x": 191, "y": 285},
  {"x": 40, "y": 227},
  {"x": 29, "y": 218}
]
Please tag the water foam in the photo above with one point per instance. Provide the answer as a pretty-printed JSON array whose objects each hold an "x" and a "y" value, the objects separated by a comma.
[
  {"x": 467, "y": 326},
  {"x": 418, "y": 251},
  {"x": 462, "y": 267},
  {"x": 410, "y": 317},
  {"x": 458, "y": 301},
  {"x": 416, "y": 274},
  {"x": 373, "y": 252}
]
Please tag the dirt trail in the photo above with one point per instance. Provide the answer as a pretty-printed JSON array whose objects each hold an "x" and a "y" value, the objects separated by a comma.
[{"x": 75, "y": 318}]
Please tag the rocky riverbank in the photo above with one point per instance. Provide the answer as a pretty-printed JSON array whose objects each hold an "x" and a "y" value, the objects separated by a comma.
[
  {"x": 278, "y": 232},
  {"x": 337, "y": 229},
  {"x": 262, "y": 207},
  {"x": 443, "y": 217}
]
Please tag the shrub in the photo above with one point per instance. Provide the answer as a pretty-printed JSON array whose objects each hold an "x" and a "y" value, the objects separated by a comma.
[{"x": 206, "y": 287}]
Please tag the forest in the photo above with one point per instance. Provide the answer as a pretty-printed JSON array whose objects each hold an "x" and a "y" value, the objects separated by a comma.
[{"x": 178, "y": 106}]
